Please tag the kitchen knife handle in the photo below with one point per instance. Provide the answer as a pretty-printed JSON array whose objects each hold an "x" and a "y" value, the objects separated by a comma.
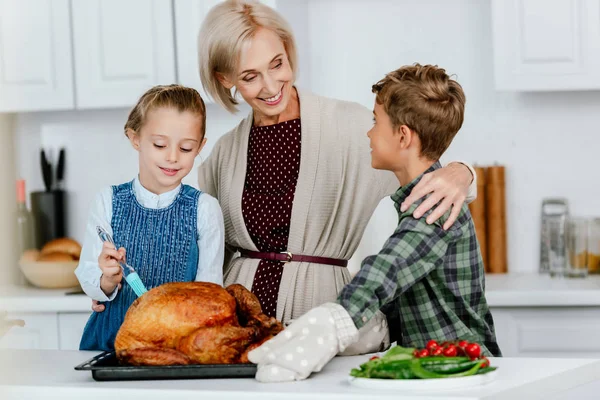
[
  {"x": 46, "y": 171},
  {"x": 60, "y": 168}
]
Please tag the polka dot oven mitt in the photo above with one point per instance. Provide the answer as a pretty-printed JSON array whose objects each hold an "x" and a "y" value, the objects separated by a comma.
[{"x": 306, "y": 345}]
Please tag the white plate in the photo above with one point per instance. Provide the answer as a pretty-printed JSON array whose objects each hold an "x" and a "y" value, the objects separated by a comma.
[{"x": 424, "y": 385}]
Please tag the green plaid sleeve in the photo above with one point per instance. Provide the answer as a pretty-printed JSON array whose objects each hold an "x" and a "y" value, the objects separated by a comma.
[{"x": 413, "y": 251}]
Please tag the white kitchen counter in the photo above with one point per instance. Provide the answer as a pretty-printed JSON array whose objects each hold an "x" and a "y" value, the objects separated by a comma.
[
  {"x": 535, "y": 290},
  {"x": 31, "y": 374},
  {"x": 30, "y": 299},
  {"x": 502, "y": 290}
]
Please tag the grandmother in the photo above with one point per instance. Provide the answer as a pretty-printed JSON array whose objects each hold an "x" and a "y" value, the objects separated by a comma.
[{"x": 294, "y": 178}]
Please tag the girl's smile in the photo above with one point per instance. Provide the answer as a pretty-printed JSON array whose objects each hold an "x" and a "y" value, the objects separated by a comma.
[{"x": 169, "y": 171}]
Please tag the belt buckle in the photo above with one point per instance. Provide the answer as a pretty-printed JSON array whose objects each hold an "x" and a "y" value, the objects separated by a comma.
[{"x": 289, "y": 256}]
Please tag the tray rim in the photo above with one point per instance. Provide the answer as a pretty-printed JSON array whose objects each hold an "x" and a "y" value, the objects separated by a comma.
[{"x": 89, "y": 365}]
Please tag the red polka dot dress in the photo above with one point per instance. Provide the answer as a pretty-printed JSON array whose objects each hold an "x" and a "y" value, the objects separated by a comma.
[{"x": 271, "y": 176}]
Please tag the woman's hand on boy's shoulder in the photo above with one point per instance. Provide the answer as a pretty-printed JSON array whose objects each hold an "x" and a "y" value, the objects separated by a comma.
[{"x": 448, "y": 186}]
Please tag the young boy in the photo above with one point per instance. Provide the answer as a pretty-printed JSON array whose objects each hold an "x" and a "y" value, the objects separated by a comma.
[{"x": 432, "y": 278}]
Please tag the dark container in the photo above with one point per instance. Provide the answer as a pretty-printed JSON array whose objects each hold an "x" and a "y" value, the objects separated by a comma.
[{"x": 49, "y": 215}]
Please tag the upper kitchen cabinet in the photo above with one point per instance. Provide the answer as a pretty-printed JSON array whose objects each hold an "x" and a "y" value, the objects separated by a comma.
[
  {"x": 542, "y": 45},
  {"x": 122, "y": 48},
  {"x": 189, "y": 15},
  {"x": 35, "y": 56}
]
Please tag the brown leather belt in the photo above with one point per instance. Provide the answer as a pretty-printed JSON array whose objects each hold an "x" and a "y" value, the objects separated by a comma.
[{"x": 286, "y": 256}]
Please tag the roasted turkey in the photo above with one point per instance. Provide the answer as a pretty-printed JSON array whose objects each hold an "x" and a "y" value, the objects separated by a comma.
[{"x": 193, "y": 323}]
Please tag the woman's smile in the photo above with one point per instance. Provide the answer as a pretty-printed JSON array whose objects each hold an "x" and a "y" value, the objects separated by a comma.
[{"x": 273, "y": 101}]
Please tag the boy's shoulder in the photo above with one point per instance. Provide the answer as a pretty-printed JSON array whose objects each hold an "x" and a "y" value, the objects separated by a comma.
[{"x": 463, "y": 219}]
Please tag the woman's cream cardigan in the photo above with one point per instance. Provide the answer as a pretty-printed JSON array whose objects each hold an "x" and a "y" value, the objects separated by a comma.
[{"x": 336, "y": 194}]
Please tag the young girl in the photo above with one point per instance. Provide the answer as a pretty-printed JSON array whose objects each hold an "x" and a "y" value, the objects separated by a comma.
[{"x": 170, "y": 231}]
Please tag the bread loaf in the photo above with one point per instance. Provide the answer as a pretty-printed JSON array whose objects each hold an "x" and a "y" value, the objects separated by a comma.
[
  {"x": 56, "y": 257},
  {"x": 30, "y": 255},
  {"x": 63, "y": 245}
]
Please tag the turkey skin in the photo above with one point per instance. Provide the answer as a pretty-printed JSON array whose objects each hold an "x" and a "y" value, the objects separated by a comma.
[{"x": 183, "y": 323}]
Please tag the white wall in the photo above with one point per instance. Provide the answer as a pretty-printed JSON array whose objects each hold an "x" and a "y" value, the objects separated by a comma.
[{"x": 548, "y": 142}]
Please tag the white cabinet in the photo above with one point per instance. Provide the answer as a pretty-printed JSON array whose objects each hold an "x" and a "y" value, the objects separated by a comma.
[
  {"x": 189, "y": 15},
  {"x": 35, "y": 55},
  {"x": 544, "y": 45},
  {"x": 47, "y": 331},
  {"x": 70, "y": 329},
  {"x": 40, "y": 332},
  {"x": 562, "y": 332},
  {"x": 67, "y": 54},
  {"x": 122, "y": 48}
]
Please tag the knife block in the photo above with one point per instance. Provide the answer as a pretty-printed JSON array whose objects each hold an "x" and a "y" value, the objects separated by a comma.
[{"x": 48, "y": 209}]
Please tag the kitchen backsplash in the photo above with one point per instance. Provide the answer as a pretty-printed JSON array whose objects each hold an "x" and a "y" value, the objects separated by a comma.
[{"x": 547, "y": 141}]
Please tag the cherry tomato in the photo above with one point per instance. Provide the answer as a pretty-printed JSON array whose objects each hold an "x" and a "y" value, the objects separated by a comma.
[
  {"x": 445, "y": 344},
  {"x": 436, "y": 352},
  {"x": 374, "y": 358},
  {"x": 485, "y": 363},
  {"x": 423, "y": 353},
  {"x": 450, "y": 351},
  {"x": 473, "y": 350},
  {"x": 463, "y": 343},
  {"x": 416, "y": 353},
  {"x": 432, "y": 345}
]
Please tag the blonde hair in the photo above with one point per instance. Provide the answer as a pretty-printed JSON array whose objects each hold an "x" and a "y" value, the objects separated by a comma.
[
  {"x": 181, "y": 98},
  {"x": 226, "y": 28},
  {"x": 424, "y": 98}
]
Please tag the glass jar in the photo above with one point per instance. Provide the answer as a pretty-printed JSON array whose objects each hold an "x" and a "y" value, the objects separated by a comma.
[
  {"x": 554, "y": 239},
  {"x": 594, "y": 247},
  {"x": 577, "y": 247}
]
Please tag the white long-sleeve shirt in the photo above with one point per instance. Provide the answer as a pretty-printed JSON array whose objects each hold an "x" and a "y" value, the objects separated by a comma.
[{"x": 211, "y": 240}]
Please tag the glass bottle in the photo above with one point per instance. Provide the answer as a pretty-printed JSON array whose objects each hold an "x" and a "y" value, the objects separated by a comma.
[
  {"x": 577, "y": 247},
  {"x": 594, "y": 247},
  {"x": 24, "y": 217}
]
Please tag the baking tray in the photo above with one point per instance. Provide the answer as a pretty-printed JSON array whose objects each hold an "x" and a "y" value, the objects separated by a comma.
[{"x": 106, "y": 367}]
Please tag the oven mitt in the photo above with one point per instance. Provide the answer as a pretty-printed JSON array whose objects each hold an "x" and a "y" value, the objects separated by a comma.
[
  {"x": 373, "y": 337},
  {"x": 306, "y": 345}
]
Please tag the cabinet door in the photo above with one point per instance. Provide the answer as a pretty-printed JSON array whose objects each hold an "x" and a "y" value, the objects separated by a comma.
[
  {"x": 40, "y": 332},
  {"x": 189, "y": 15},
  {"x": 546, "y": 45},
  {"x": 70, "y": 329},
  {"x": 35, "y": 56},
  {"x": 122, "y": 48},
  {"x": 558, "y": 332}
]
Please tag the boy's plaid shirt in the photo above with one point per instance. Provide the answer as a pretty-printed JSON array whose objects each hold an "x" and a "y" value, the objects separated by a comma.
[{"x": 433, "y": 278}]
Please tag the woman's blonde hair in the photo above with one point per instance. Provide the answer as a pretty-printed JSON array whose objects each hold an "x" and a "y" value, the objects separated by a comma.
[
  {"x": 179, "y": 97},
  {"x": 226, "y": 28}
]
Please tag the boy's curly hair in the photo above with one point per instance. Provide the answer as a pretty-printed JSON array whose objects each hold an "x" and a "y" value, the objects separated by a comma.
[{"x": 424, "y": 98}]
